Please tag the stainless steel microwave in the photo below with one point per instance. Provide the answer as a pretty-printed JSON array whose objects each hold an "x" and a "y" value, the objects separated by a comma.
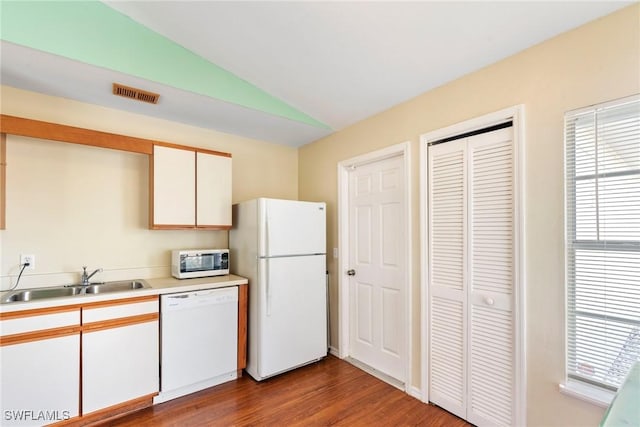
[{"x": 188, "y": 264}]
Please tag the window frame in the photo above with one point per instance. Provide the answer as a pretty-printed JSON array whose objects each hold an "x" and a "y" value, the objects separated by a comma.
[{"x": 592, "y": 391}]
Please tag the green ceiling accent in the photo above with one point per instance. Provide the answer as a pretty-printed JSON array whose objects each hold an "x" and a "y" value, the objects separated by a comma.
[{"x": 93, "y": 33}]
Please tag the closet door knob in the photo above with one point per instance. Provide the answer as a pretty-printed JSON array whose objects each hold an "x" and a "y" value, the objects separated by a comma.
[
  {"x": 351, "y": 272},
  {"x": 489, "y": 300}
]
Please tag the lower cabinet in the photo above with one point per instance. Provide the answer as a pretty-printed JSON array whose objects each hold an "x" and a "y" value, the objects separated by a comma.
[
  {"x": 104, "y": 355},
  {"x": 86, "y": 362},
  {"x": 39, "y": 368},
  {"x": 120, "y": 345}
]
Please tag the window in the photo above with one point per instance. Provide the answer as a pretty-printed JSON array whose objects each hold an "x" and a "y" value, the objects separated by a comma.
[{"x": 603, "y": 241}]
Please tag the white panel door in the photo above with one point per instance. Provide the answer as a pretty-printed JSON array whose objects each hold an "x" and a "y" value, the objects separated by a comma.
[
  {"x": 293, "y": 313},
  {"x": 213, "y": 190},
  {"x": 491, "y": 279},
  {"x": 377, "y": 238},
  {"x": 174, "y": 188},
  {"x": 447, "y": 276},
  {"x": 471, "y": 277},
  {"x": 292, "y": 227}
]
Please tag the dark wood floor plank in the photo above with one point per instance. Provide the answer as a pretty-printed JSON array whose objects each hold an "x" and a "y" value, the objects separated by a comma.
[{"x": 328, "y": 393}]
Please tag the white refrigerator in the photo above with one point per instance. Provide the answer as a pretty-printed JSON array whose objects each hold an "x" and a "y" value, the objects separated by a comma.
[{"x": 280, "y": 246}]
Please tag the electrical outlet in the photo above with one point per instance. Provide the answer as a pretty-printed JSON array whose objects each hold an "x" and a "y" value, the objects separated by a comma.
[
  {"x": 31, "y": 259},
  {"x": 335, "y": 253}
]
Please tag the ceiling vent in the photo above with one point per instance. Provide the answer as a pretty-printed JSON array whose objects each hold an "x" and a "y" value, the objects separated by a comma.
[{"x": 137, "y": 94}]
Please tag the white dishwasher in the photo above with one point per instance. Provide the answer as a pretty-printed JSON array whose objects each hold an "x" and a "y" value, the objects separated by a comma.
[{"x": 198, "y": 341}]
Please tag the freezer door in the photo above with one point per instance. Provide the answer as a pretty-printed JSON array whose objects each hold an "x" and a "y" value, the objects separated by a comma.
[
  {"x": 293, "y": 313},
  {"x": 292, "y": 228}
]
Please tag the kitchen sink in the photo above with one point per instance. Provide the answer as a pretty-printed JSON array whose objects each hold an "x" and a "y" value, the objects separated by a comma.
[
  {"x": 67, "y": 291},
  {"x": 41, "y": 293},
  {"x": 127, "y": 285}
]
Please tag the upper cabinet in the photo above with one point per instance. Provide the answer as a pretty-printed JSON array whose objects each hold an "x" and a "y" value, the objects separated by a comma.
[
  {"x": 173, "y": 188},
  {"x": 190, "y": 188},
  {"x": 213, "y": 190}
]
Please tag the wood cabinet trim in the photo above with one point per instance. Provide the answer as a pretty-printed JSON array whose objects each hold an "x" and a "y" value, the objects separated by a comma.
[
  {"x": 64, "y": 308},
  {"x": 189, "y": 227},
  {"x": 38, "y": 311},
  {"x": 75, "y": 135},
  {"x": 21, "y": 126},
  {"x": 213, "y": 227},
  {"x": 243, "y": 300},
  {"x": 112, "y": 302},
  {"x": 107, "y": 414},
  {"x": 172, "y": 226},
  {"x": 196, "y": 149},
  {"x": 39, "y": 335},
  {"x": 119, "y": 322}
]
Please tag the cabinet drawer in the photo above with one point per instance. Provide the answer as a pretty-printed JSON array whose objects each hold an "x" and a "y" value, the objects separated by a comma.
[
  {"x": 116, "y": 311},
  {"x": 39, "y": 322}
]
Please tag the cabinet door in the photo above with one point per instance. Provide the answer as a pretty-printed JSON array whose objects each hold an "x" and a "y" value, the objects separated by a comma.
[
  {"x": 120, "y": 361},
  {"x": 173, "y": 172},
  {"x": 118, "y": 365},
  {"x": 213, "y": 190},
  {"x": 40, "y": 376}
]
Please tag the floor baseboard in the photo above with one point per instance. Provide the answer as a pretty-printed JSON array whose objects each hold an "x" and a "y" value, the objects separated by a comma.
[{"x": 379, "y": 375}]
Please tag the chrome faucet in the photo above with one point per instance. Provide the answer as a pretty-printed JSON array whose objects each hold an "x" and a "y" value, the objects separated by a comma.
[{"x": 85, "y": 277}]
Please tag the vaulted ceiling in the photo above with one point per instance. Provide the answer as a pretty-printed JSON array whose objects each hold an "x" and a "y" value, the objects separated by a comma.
[{"x": 286, "y": 72}]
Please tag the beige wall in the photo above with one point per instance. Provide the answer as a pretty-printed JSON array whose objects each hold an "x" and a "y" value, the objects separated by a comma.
[
  {"x": 72, "y": 205},
  {"x": 597, "y": 62}
]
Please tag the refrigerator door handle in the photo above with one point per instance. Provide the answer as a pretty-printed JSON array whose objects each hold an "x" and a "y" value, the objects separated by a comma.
[
  {"x": 267, "y": 287},
  {"x": 263, "y": 277},
  {"x": 266, "y": 232}
]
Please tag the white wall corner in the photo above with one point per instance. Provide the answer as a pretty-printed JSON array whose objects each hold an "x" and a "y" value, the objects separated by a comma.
[{"x": 334, "y": 352}]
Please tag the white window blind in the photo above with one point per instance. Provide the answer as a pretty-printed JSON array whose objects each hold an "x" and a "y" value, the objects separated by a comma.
[{"x": 603, "y": 241}]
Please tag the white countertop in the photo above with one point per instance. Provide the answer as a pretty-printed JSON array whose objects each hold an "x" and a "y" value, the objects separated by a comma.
[{"x": 158, "y": 286}]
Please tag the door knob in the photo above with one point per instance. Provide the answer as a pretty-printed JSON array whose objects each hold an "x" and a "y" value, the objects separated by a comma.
[{"x": 351, "y": 272}]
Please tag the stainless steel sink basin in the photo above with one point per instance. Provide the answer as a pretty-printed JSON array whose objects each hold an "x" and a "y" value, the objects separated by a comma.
[
  {"x": 41, "y": 293},
  {"x": 67, "y": 291},
  {"x": 126, "y": 285}
]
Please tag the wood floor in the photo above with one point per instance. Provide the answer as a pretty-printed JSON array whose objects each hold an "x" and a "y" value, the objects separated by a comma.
[{"x": 328, "y": 393}]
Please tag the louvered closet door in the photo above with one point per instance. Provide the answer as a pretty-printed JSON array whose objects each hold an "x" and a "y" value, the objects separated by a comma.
[
  {"x": 471, "y": 277},
  {"x": 491, "y": 352},
  {"x": 447, "y": 278}
]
